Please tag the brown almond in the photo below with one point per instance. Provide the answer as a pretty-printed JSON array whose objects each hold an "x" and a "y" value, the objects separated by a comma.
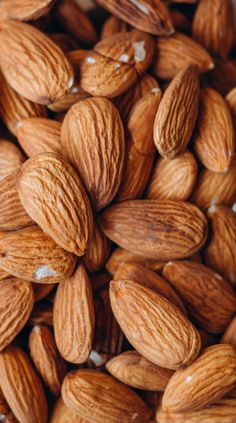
[
  {"x": 223, "y": 77},
  {"x": 42, "y": 314},
  {"x": 24, "y": 11},
  {"x": 98, "y": 252},
  {"x": 11, "y": 158},
  {"x": 113, "y": 25},
  {"x": 65, "y": 41},
  {"x": 63, "y": 414},
  {"x": 229, "y": 336},
  {"x": 42, "y": 290},
  {"x": 73, "y": 95}
]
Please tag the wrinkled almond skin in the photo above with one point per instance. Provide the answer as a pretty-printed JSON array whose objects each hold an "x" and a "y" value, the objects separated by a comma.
[
  {"x": 46, "y": 185},
  {"x": 98, "y": 252},
  {"x": 173, "y": 179},
  {"x": 24, "y": 11},
  {"x": 73, "y": 317},
  {"x": 177, "y": 113},
  {"x": 22, "y": 387},
  {"x": 202, "y": 383},
  {"x": 39, "y": 135},
  {"x": 160, "y": 230},
  {"x": 11, "y": 158},
  {"x": 46, "y": 358},
  {"x": 210, "y": 300},
  {"x": 92, "y": 139},
  {"x": 27, "y": 48},
  {"x": 176, "y": 52},
  {"x": 220, "y": 253},
  {"x": 134, "y": 370},
  {"x": 153, "y": 325},
  {"x": 17, "y": 300},
  {"x": 100, "y": 398},
  {"x": 229, "y": 336},
  {"x": 63, "y": 414},
  {"x": 31, "y": 255},
  {"x": 214, "y": 144}
]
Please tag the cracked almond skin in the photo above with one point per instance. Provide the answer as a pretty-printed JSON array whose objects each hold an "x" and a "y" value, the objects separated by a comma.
[
  {"x": 25, "y": 47},
  {"x": 220, "y": 252},
  {"x": 173, "y": 179},
  {"x": 47, "y": 184},
  {"x": 214, "y": 144},
  {"x": 22, "y": 387},
  {"x": 73, "y": 317},
  {"x": 213, "y": 26},
  {"x": 99, "y": 398},
  {"x": 207, "y": 380},
  {"x": 11, "y": 158},
  {"x": 136, "y": 371},
  {"x": 175, "y": 53},
  {"x": 210, "y": 300},
  {"x": 92, "y": 139},
  {"x": 152, "y": 324},
  {"x": 98, "y": 251},
  {"x": 17, "y": 300},
  {"x": 24, "y": 11},
  {"x": 39, "y": 135},
  {"x": 157, "y": 229},
  {"x": 63, "y": 414},
  {"x": 46, "y": 358},
  {"x": 146, "y": 15},
  {"x": 177, "y": 113},
  {"x": 31, "y": 255}
]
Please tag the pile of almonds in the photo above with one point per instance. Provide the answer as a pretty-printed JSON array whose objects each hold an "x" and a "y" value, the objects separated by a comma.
[{"x": 117, "y": 211}]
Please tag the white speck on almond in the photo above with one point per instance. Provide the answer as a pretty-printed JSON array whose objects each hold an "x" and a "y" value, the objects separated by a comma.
[
  {"x": 188, "y": 379},
  {"x": 155, "y": 90},
  {"x": 117, "y": 65},
  {"x": 234, "y": 208},
  {"x": 124, "y": 58},
  {"x": 70, "y": 82},
  {"x": 218, "y": 276},
  {"x": 139, "y": 51},
  {"x": 44, "y": 272},
  {"x": 90, "y": 60},
  {"x": 140, "y": 6},
  {"x": 96, "y": 358},
  {"x": 212, "y": 209}
]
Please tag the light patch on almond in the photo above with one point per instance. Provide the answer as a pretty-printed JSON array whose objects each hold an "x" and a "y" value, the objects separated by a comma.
[
  {"x": 44, "y": 272},
  {"x": 134, "y": 416},
  {"x": 155, "y": 90},
  {"x": 234, "y": 208},
  {"x": 96, "y": 358},
  {"x": 212, "y": 209},
  {"x": 188, "y": 379},
  {"x": 140, "y": 6},
  {"x": 124, "y": 58},
  {"x": 90, "y": 60},
  {"x": 70, "y": 82},
  {"x": 139, "y": 51}
]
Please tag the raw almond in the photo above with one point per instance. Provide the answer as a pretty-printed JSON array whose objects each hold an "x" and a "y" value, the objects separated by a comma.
[
  {"x": 72, "y": 96},
  {"x": 229, "y": 336},
  {"x": 98, "y": 252},
  {"x": 202, "y": 383},
  {"x": 113, "y": 25},
  {"x": 152, "y": 325},
  {"x": 160, "y": 230},
  {"x": 100, "y": 398},
  {"x": 11, "y": 158},
  {"x": 73, "y": 317},
  {"x": 65, "y": 41},
  {"x": 223, "y": 77},
  {"x": 63, "y": 414},
  {"x": 24, "y": 11},
  {"x": 53, "y": 196}
]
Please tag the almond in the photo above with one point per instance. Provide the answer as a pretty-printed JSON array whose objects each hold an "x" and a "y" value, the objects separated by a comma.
[
  {"x": 31, "y": 255},
  {"x": 142, "y": 14},
  {"x": 202, "y": 383},
  {"x": 100, "y": 398},
  {"x": 65, "y": 41},
  {"x": 160, "y": 230},
  {"x": 29, "y": 49},
  {"x": 98, "y": 252},
  {"x": 22, "y": 387},
  {"x": 47, "y": 184},
  {"x": 16, "y": 305},
  {"x": 72, "y": 96},
  {"x": 220, "y": 252},
  {"x": 11, "y": 158},
  {"x": 229, "y": 336},
  {"x": 46, "y": 358},
  {"x": 24, "y": 11},
  {"x": 152, "y": 325},
  {"x": 93, "y": 140},
  {"x": 42, "y": 290},
  {"x": 73, "y": 317},
  {"x": 63, "y": 414},
  {"x": 113, "y": 25},
  {"x": 42, "y": 314},
  {"x": 210, "y": 300},
  {"x": 223, "y": 77},
  {"x": 134, "y": 370},
  {"x": 177, "y": 113}
]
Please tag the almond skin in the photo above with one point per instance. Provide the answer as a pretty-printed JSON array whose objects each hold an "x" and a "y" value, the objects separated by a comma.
[
  {"x": 63, "y": 414},
  {"x": 28, "y": 10},
  {"x": 134, "y": 370},
  {"x": 92, "y": 138},
  {"x": 210, "y": 300},
  {"x": 11, "y": 158},
  {"x": 46, "y": 358},
  {"x": 28, "y": 48},
  {"x": 173, "y": 179},
  {"x": 98, "y": 252},
  {"x": 73, "y": 317},
  {"x": 177, "y": 113},
  {"x": 41, "y": 314},
  {"x": 31, "y": 255},
  {"x": 155, "y": 326},
  {"x": 220, "y": 253},
  {"x": 16, "y": 305},
  {"x": 113, "y": 25},
  {"x": 100, "y": 398},
  {"x": 42, "y": 290},
  {"x": 229, "y": 336},
  {"x": 202, "y": 383},
  {"x": 160, "y": 230},
  {"x": 46, "y": 181},
  {"x": 214, "y": 144},
  {"x": 22, "y": 387}
]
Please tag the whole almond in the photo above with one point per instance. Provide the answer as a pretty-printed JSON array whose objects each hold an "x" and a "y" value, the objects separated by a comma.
[
  {"x": 31, "y": 255},
  {"x": 16, "y": 305},
  {"x": 24, "y": 11},
  {"x": 98, "y": 252},
  {"x": 160, "y": 230},
  {"x": 202, "y": 383},
  {"x": 173, "y": 179},
  {"x": 73, "y": 317},
  {"x": 100, "y": 398},
  {"x": 22, "y": 387},
  {"x": 177, "y": 113},
  {"x": 63, "y": 414},
  {"x": 155, "y": 326},
  {"x": 134, "y": 370},
  {"x": 46, "y": 358},
  {"x": 11, "y": 158},
  {"x": 210, "y": 300},
  {"x": 53, "y": 196},
  {"x": 27, "y": 48},
  {"x": 214, "y": 144}
]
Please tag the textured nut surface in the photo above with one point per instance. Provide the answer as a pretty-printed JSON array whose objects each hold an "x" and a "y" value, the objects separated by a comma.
[{"x": 11, "y": 158}]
